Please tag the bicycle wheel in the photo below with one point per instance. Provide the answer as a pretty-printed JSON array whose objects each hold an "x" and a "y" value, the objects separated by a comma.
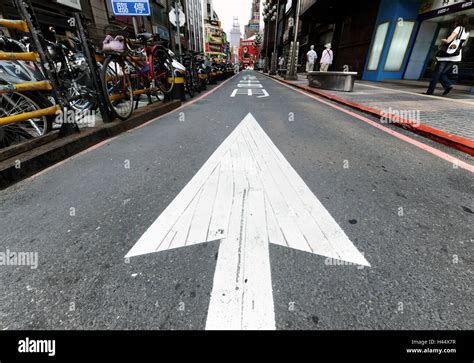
[
  {"x": 78, "y": 88},
  {"x": 196, "y": 80},
  {"x": 163, "y": 71},
  {"x": 117, "y": 87},
  {"x": 12, "y": 104},
  {"x": 189, "y": 84}
]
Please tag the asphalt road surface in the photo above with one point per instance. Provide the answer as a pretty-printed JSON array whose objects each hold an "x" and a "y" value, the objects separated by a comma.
[{"x": 404, "y": 210}]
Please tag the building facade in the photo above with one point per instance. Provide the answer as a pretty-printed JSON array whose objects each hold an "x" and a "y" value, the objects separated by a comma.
[
  {"x": 253, "y": 27},
  {"x": 194, "y": 25},
  {"x": 249, "y": 52},
  {"x": 208, "y": 11},
  {"x": 407, "y": 35},
  {"x": 378, "y": 39},
  {"x": 235, "y": 36},
  {"x": 99, "y": 14}
]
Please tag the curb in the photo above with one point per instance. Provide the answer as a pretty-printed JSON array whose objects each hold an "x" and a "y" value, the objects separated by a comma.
[
  {"x": 454, "y": 141},
  {"x": 49, "y": 150}
]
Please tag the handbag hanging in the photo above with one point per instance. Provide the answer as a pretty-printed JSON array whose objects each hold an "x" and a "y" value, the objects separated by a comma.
[{"x": 452, "y": 49}]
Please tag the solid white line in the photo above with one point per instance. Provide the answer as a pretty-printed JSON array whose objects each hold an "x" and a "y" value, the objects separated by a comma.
[{"x": 249, "y": 86}]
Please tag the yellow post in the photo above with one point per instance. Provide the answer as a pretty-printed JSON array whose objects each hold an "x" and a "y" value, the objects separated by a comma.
[
  {"x": 30, "y": 56},
  {"x": 15, "y": 24},
  {"x": 118, "y": 97},
  {"x": 145, "y": 90},
  {"x": 23, "y": 87},
  {"x": 29, "y": 115}
]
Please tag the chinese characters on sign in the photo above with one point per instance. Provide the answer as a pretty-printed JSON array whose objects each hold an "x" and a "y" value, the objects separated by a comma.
[{"x": 131, "y": 7}]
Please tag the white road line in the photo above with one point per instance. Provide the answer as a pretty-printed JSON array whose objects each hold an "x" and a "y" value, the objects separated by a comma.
[
  {"x": 247, "y": 195},
  {"x": 249, "y": 85}
]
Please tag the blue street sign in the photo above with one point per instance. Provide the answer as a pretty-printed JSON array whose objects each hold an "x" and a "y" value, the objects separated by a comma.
[{"x": 131, "y": 7}]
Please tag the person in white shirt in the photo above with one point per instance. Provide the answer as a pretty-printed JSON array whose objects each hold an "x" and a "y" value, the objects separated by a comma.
[
  {"x": 445, "y": 63},
  {"x": 326, "y": 58},
  {"x": 281, "y": 65},
  {"x": 311, "y": 57}
]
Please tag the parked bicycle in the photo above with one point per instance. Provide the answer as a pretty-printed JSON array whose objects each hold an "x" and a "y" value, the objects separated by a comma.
[
  {"x": 143, "y": 60},
  {"x": 15, "y": 104},
  {"x": 192, "y": 83}
]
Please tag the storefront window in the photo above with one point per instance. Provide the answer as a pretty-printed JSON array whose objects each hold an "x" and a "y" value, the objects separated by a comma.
[
  {"x": 377, "y": 46},
  {"x": 399, "y": 46}
]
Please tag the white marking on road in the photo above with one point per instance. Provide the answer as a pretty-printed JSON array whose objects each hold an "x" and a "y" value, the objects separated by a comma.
[
  {"x": 261, "y": 93},
  {"x": 247, "y": 195},
  {"x": 250, "y": 86}
]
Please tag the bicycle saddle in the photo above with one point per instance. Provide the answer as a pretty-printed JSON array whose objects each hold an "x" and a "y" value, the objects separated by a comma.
[{"x": 145, "y": 37}]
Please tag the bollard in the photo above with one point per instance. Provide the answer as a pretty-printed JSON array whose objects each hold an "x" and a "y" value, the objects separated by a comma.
[
  {"x": 203, "y": 80},
  {"x": 178, "y": 89},
  {"x": 213, "y": 78}
]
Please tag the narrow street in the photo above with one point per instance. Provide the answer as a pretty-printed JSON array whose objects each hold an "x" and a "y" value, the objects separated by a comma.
[{"x": 325, "y": 222}]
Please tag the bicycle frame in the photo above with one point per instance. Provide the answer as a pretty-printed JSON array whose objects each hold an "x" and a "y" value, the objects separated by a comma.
[{"x": 141, "y": 63}]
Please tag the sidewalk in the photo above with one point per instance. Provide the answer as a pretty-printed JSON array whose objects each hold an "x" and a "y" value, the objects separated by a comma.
[{"x": 450, "y": 118}]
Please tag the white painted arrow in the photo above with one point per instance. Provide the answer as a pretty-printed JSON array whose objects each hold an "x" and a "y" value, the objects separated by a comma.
[{"x": 247, "y": 195}]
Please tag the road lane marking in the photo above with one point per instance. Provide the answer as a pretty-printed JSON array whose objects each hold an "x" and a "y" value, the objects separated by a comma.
[
  {"x": 441, "y": 154},
  {"x": 260, "y": 93},
  {"x": 247, "y": 195},
  {"x": 250, "y": 86}
]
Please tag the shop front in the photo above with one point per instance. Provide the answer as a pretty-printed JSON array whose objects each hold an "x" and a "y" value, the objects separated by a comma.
[
  {"x": 436, "y": 22},
  {"x": 392, "y": 39},
  {"x": 407, "y": 35}
]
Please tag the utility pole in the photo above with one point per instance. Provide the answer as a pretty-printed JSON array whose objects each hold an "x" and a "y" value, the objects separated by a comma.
[
  {"x": 292, "y": 74},
  {"x": 176, "y": 11},
  {"x": 135, "y": 25},
  {"x": 267, "y": 30},
  {"x": 274, "y": 55}
]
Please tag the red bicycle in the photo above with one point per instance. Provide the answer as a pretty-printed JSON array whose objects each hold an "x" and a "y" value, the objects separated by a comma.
[{"x": 144, "y": 66}]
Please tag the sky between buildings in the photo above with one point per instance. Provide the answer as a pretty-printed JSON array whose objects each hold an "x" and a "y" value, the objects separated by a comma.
[{"x": 227, "y": 9}]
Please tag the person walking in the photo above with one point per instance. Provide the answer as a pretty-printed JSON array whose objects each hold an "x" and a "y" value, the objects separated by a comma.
[
  {"x": 311, "y": 57},
  {"x": 450, "y": 53},
  {"x": 281, "y": 65},
  {"x": 326, "y": 58}
]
